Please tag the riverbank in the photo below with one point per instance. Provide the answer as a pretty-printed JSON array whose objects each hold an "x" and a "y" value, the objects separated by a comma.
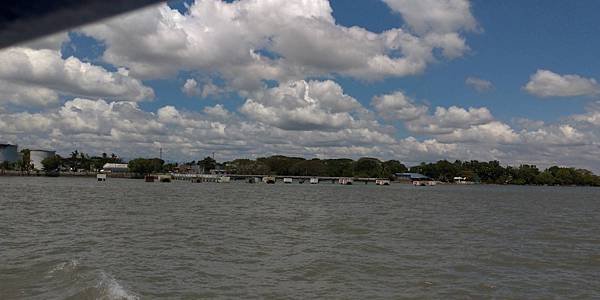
[{"x": 12, "y": 173}]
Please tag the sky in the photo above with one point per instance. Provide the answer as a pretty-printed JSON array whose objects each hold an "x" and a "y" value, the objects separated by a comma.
[{"x": 514, "y": 81}]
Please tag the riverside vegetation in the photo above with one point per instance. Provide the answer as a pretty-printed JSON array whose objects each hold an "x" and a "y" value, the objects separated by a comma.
[{"x": 491, "y": 172}]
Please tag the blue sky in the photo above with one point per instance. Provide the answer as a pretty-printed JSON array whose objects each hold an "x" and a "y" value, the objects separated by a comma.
[{"x": 316, "y": 83}]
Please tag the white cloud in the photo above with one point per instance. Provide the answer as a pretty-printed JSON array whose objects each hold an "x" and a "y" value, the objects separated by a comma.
[
  {"x": 38, "y": 77},
  {"x": 124, "y": 128},
  {"x": 191, "y": 88},
  {"x": 398, "y": 106},
  {"x": 478, "y": 84},
  {"x": 302, "y": 105},
  {"x": 494, "y": 132},
  {"x": 247, "y": 41},
  {"x": 555, "y": 135},
  {"x": 218, "y": 111},
  {"x": 416, "y": 117},
  {"x": 546, "y": 83},
  {"x": 97, "y": 125},
  {"x": 434, "y": 15},
  {"x": 52, "y": 42}
]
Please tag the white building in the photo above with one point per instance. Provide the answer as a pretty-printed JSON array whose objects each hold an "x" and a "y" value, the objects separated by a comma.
[
  {"x": 114, "y": 168},
  {"x": 8, "y": 153},
  {"x": 37, "y": 156}
]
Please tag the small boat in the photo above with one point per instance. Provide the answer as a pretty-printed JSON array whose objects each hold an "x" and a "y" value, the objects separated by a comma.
[
  {"x": 314, "y": 180},
  {"x": 269, "y": 179},
  {"x": 382, "y": 182},
  {"x": 345, "y": 181},
  {"x": 287, "y": 180},
  {"x": 424, "y": 183},
  {"x": 101, "y": 177}
]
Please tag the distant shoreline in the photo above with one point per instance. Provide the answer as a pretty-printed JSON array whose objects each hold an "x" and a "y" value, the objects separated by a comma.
[{"x": 11, "y": 173}]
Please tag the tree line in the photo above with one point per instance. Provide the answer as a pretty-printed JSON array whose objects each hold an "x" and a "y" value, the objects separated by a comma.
[
  {"x": 77, "y": 161},
  {"x": 491, "y": 172}
]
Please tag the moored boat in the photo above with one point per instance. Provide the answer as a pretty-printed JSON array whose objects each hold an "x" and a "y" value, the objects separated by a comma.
[
  {"x": 269, "y": 179},
  {"x": 345, "y": 181},
  {"x": 382, "y": 182}
]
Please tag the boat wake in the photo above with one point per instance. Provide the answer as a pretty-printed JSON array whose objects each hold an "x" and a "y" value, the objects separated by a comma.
[
  {"x": 71, "y": 280},
  {"x": 109, "y": 289},
  {"x": 67, "y": 267}
]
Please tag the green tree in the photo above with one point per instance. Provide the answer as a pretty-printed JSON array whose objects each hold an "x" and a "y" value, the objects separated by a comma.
[
  {"x": 391, "y": 167},
  {"x": 144, "y": 166},
  {"x": 312, "y": 167},
  {"x": 207, "y": 164},
  {"x": 25, "y": 163},
  {"x": 340, "y": 167},
  {"x": 51, "y": 164},
  {"x": 367, "y": 167},
  {"x": 545, "y": 178}
]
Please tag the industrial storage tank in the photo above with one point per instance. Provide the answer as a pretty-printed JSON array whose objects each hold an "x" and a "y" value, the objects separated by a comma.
[
  {"x": 36, "y": 157},
  {"x": 8, "y": 153}
]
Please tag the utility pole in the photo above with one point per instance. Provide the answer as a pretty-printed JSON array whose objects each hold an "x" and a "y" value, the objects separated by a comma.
[{"x": 160, "y": 155}]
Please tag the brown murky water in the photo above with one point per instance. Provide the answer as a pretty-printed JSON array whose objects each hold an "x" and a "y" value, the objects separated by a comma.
[{"x": 65, "y": 238}]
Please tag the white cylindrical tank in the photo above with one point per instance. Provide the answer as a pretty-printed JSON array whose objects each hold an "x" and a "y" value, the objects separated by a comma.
[
  {"x": 8, "y": 153},
  {"x": 36, "y": 157}
]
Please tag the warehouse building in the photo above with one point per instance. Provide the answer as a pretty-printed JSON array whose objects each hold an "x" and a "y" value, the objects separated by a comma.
[{"x": 37, "y": 156}]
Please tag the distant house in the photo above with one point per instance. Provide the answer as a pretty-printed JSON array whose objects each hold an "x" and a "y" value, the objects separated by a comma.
[
  {"x": 114, "y": 168},
  {"x": 188, "y": 169},
  {"x": 459, "y": 179},
  {"x": 219, "y": 170},
  {"x": 411, "y": 176}
]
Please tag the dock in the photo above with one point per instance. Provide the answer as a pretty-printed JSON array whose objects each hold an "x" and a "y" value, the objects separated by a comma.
[{"x": 282, "y": 178}]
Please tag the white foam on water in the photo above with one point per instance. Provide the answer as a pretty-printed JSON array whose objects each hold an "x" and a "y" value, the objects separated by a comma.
[
  {"x": 66, "y": 266},
  {"x": 110, "y": 289}
]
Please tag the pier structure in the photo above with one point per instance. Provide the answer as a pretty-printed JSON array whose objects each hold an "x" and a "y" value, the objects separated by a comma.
[{"x": 279, "y": 178}]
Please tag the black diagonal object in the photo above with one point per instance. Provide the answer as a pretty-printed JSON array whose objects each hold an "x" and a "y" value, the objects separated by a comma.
[{"x": 22, "y": 20}]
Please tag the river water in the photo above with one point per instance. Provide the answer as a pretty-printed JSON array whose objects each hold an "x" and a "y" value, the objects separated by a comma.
[{"x": 75, "y": 238}]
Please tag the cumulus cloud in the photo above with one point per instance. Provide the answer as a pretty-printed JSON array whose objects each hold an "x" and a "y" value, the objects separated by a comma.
[
  {"x": 123, "y": 127},
  {"x": 479, "y": 85},
  {"x": 244, "y": 43},
  {"x": 37, "y": 77},
  {"x": 191, "y": 88},
  {"x": 248, "y": 41},
  {"x": 398, "y": 106},
  {"x": 303, "y": 105},
  {"x": 95, "y": 125},
  {"x": 546, "y": 83},
  {"x": 435, "y": 16}
]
